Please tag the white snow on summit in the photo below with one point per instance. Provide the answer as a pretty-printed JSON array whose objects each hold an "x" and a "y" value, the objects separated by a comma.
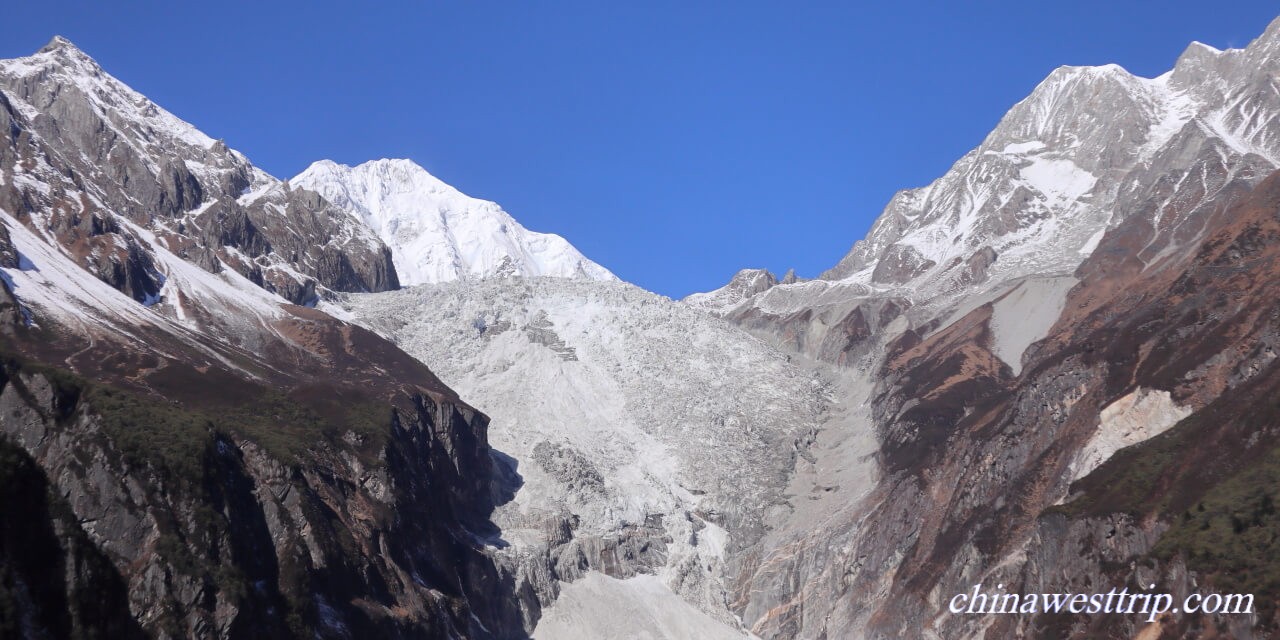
[
  {"x": 1089, "y": 147},
  {"x": 437, "y": 233}
]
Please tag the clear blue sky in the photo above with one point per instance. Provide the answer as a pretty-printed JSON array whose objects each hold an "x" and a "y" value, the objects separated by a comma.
[{"x": 673, "y": 142}]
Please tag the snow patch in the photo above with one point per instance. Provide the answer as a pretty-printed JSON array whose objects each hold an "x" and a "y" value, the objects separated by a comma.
[
  {"x": 1061, "y": 181},
  {"x": 597, "y": 606},
  {"x": 1092, "y": 243},
  {"x": 1025, "y": 315},
  {"x": 1023, "y": 147},
  {"x": 1137, "y": 417},
  {"x": 1173, "y": 108}
]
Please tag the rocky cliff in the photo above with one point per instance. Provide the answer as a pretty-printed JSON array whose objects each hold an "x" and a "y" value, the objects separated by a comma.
[{"x": 156, "y": 519}]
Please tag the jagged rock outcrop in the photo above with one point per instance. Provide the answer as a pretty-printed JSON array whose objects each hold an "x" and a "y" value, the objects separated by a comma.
[
  {"x": 744, "y": 284},
  {"x": 54, "y": 582}
]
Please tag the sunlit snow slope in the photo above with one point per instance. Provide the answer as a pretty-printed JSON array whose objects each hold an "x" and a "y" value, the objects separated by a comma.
[{"x": 437, "y": 233}]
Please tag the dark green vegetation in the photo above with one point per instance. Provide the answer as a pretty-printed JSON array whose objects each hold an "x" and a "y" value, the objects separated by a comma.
[
  {"x": 173, "y": 439},
  {"x": 1214, "y": 479},
  {"x": 1233, "y": 532}
]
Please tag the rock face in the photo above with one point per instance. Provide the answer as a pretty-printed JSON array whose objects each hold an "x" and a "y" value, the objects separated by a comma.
[
  {"x": 295, "y": 477},
  {"x": 57, "y": 583},
  {"x": 216, "y": 535},
  {"x": 1056, "y": 364},
  {"x": 437, "y": 233},
  {"x": 188, "y": 452},
  {"x": 1125, "y": 520},
  {"x": 88, "y": 160}
]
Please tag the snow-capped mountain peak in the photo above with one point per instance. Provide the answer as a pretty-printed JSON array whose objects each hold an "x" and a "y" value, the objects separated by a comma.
[
  {"x": 114, "y": 153},
  {"x": 62, "y": 61},
  {"x": 1061, "y": 166},
  {"x": 437, "y": 233}
]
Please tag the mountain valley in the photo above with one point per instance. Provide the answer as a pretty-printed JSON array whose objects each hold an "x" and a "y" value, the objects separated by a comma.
[{"x": 359, "y": 403}]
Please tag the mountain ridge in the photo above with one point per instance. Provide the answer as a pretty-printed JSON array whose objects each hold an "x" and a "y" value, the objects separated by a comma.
[
  {"x": 437, "y": 233},
  {"x": 1031, "y": 184},
  {"x": 93, "y": 150}
]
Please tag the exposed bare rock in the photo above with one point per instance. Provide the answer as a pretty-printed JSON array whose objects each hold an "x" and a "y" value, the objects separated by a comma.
[
  {"x": 900, "y": 264},
  {"x": 743, "y": 285}
]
